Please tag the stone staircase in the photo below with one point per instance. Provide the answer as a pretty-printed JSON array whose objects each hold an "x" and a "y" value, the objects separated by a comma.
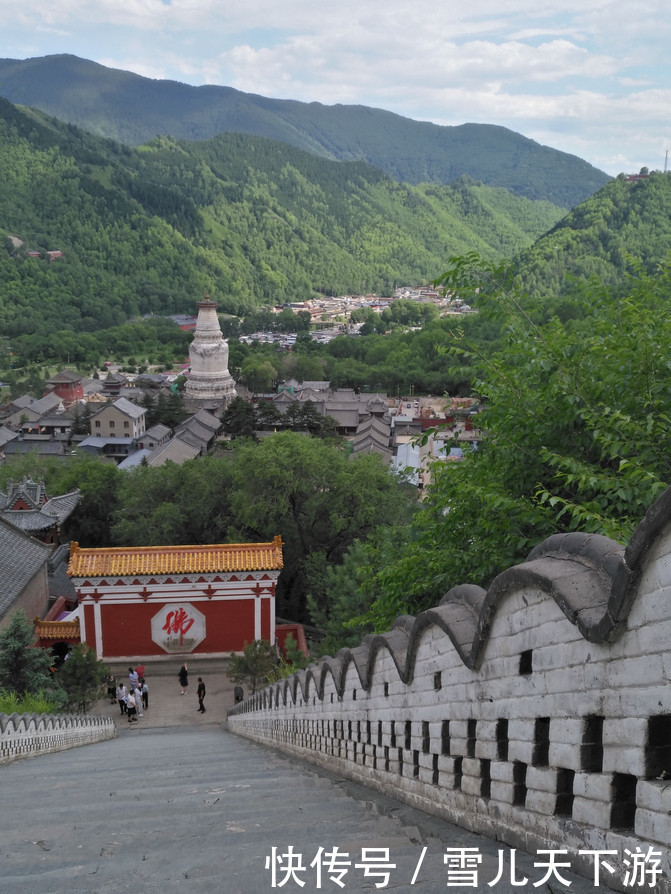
[{"x": 194, "y": 808}]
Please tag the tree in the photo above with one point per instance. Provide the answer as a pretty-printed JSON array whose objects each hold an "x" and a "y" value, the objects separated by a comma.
[
  {"x": 318, "y": 499},
  {"x": 254, "y": 666},
  {"x": 81, "y": 420},
  {"x": 91, "y": 523},
  {"x": 173, "y": 503},
  {"x": 82, "y": 677},
  {"x": 258, "y": 375},
  {"x": 340, "y": 617},
  {"x": 576, "y": 419},
  {"x": 239, "y": 419},
  {"x": 23, "y": 667},
  {"x": 268, "y": 416}
]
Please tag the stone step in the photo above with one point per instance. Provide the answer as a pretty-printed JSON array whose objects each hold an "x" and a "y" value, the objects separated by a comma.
[{"x": 198, "y": 809}]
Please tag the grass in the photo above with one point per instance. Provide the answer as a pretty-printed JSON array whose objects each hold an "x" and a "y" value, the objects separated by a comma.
[{"x": 11, "y": 703}]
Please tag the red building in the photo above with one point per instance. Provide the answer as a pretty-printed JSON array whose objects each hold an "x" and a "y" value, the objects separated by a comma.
[
  {"x": 145, "y": 602},
  {"x": 67, "y": 385}
]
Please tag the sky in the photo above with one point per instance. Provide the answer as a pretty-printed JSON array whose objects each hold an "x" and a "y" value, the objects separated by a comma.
[{"x": 586, "y": 77}]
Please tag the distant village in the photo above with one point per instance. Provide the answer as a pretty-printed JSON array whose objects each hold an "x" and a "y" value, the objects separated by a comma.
[
  {"x": 107, "y": 418},
  {"x": 401, "y": 430}
]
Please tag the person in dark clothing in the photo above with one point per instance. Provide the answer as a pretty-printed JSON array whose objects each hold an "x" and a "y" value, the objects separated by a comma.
[
  {"x": 184, "y": 677},
  {"x": 201, "y": 695},
  {"x": 238, "y": 693}
]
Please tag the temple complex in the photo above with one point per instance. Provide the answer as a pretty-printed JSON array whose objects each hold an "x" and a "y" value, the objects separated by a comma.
[
  {"x": 156, "y": 601},
  {"x": 210, "y": 385}
]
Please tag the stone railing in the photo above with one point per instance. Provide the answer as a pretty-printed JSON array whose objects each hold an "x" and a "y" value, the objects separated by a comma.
[
  {"x": 27, "y": 735},
  {"x": 537, "y": 712}
]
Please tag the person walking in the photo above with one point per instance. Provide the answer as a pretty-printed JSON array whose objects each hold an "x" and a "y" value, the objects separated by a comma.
[
  {"x": 184, "y": 677},
  {"x": 121, "y": 695},
  {"x": 201, "y": 695},
  {"x": 144, "y": 689}
]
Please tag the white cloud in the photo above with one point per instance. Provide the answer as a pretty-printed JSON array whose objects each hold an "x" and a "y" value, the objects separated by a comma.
[{"x": 588, "y": 74}]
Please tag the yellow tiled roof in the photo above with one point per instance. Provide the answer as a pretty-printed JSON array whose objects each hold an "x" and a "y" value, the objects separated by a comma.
[
  {"x": 142, "y": 560},
  {"x": 56, "y": 629}
]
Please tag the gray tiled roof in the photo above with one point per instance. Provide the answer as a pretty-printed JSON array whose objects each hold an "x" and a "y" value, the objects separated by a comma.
[
  {"x": 128, "y": 408},
  {"x": 175, "y": 450},
  {"x": 157, "y": 432},
  {"x": 209, "y": 420},
  {"x": 21, "y": 557},
  {"x": 41, "y": 516},
  {"x": 65, "y": 375},
  {"x": 42, "y": 448},
  {"x": 6, "y": 434},
  {"x": 135, "y": 459}
]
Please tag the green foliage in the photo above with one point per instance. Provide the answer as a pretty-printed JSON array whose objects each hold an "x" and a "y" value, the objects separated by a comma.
[
  {"x": 293, "y": 656},
  {"x": 255, "y": 666},
  {"x": 174, "y": 504},
  {"x": 132, "y": 110},
  {"x": 320, "y": 502},
  {"x": 624, "y": 227},
  {"x": 12, "y": 703},
  {"x": 82, "y": 676},
  {"x": 576, "y": 419},
  {"x": 288, "y": 663},
  {"x": 239, "y": 419},
  {"x": 249, "y": 221},
  {"x": 339, "y": 615},
  {"x": 23, "y": 667},
  {"x": 99, "y": 484}
]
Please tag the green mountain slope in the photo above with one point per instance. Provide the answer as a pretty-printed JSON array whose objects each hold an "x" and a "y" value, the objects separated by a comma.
[
  {"x": 627, "y": 222},
  {"x": 248, "y": 220},
  {"x": 133, "y": 110}
]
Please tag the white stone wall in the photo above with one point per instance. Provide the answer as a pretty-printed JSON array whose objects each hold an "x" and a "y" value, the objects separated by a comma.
[
  {"x": 529, "y": 730},
  {"x": 27, "y": 735}
]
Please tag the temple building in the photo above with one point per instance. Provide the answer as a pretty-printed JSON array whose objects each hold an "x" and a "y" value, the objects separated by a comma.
[
  {"x": 68, "y": 385},
  {"x": 27, "y": 506},
  {"x": 151, "y": 601},
  {"x": 209, "y": 385}
]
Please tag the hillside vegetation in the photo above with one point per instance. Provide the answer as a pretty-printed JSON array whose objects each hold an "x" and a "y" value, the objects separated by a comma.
[
  {"x": 248, "y": 220},
  {"x": 625, "y": 227},
  {"x": 133, "y": 110}
]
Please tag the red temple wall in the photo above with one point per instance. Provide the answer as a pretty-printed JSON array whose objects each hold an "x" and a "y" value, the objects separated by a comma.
[
  {"x": 126, "y": 628},
  {"x": 266, "y": 632}
]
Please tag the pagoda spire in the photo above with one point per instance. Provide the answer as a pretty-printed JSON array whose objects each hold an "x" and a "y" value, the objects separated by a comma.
[{"x": 209, "y": 385}]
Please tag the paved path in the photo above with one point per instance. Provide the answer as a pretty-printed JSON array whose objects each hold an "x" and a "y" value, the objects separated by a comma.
[
  {"x": 167, "y": 707},
  {"x": 189, "y": 807}
]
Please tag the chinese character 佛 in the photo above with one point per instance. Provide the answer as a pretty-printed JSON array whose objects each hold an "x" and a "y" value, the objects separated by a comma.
[{"x": 178, "y": 622}]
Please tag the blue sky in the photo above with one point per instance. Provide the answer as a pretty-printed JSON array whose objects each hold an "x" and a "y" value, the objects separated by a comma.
[{"x": 590, "y": 78}]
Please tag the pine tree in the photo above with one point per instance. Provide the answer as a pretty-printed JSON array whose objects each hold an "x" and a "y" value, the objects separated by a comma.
[{"x": 23, "y": 667}]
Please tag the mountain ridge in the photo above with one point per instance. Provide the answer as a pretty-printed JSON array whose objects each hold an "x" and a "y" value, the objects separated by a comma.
[
  {"x": 247, "y": 219},
  {"x": 133, "y": 110}
]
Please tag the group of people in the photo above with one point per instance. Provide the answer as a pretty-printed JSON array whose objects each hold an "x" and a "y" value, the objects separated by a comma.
[{"x": 133, "y": 700}]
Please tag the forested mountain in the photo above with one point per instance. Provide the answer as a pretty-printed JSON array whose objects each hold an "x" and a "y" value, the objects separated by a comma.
[
  {"x": 133, "y": 110},
  {"x": 249, "y": 220},
  {"x": 625, "y": 225}
]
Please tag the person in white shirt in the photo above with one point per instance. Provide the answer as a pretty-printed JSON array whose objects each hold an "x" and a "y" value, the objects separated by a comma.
[{"x": 137, "y": 696}]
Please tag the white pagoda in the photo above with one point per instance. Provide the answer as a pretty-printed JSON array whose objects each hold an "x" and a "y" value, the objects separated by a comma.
[{"x": 209, "y": 385}]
